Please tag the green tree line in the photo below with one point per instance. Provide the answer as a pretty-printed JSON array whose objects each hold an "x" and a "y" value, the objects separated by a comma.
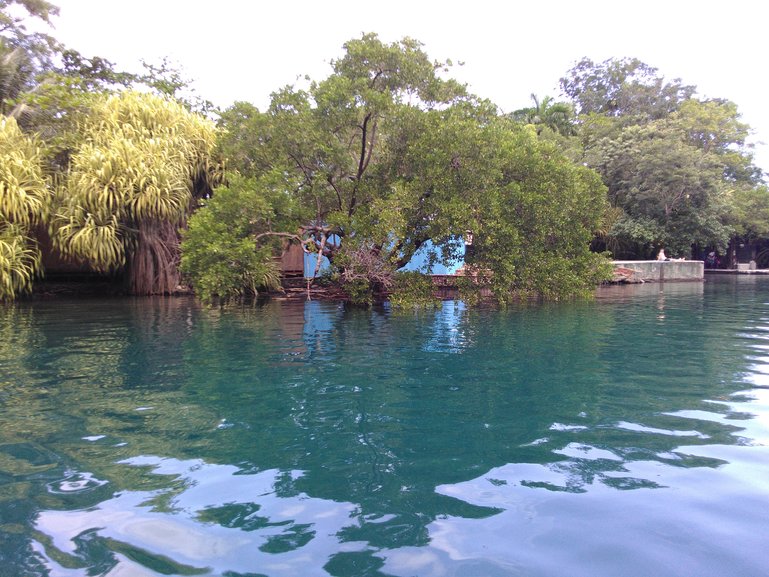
[{"x": 386, "y": 156}]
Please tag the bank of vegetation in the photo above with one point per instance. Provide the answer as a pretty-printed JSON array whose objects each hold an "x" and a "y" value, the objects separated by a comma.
[{"x": 127, "y": 175}]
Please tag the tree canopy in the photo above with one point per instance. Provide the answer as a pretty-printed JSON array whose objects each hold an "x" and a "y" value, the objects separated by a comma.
[
  {"x": 676, "y": 166},
  {"x": 130, "y": 187},
  {"x": 385, "y": 158},
  {"x": 385, "y": 155}
]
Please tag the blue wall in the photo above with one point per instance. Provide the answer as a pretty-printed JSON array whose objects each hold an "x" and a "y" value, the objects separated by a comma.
[{"x": 419, "y": 262}]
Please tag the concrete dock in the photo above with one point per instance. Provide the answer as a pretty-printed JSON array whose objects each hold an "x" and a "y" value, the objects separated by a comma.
[{"x": 659, "y": 270}]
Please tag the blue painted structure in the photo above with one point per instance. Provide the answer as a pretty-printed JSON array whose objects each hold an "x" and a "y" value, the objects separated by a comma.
[{"x": 420, "y": 262}]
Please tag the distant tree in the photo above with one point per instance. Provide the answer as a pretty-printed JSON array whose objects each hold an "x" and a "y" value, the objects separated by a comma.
[
  {"x": 750, "y": 213},
  {"x": 675, "y": 190},
  {"x": 673, "y": 164},
  {"x": 557, "y": 116},
  {"x": 668, "y": 189},
  {"x": 625, "y": 88}
]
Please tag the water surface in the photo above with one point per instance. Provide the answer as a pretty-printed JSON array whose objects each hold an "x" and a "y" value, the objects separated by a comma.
[{"x": 626, "y": 436}]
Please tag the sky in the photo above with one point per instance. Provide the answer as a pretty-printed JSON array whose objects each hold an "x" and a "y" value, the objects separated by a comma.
[{"x": 245, "y": 49}]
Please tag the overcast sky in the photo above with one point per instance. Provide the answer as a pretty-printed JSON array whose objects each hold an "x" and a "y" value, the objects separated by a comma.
[{"x": 244, "y": 50}]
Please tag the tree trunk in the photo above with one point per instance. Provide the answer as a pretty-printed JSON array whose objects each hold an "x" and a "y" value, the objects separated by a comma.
[{"x": 153, "y": 264}]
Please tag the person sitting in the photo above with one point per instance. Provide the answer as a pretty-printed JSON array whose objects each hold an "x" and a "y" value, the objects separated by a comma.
[{"x": 661, "y": 255}]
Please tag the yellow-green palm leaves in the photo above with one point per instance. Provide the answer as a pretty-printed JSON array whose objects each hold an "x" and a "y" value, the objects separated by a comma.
[
  {"x": 129, "y": 187},
  {"x": 24, "y": 203}
]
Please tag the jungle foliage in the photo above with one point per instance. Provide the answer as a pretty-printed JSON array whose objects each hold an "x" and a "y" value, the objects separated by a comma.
[
  {"x": 679, "y": 169},
  {"x": 130, "y": 188},
  {"x": 108, "y": 173},
  {"x": 386, "y": 154},
  {"x": 384, "y": 157},
  {"x": 25, "y": 201}
]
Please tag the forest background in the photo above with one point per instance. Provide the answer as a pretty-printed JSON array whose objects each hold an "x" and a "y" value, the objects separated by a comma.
[{"x": 387, "y": 154}]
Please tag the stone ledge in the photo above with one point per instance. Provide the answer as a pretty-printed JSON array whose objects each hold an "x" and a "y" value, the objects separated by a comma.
[{"x": 662, "y": 270}]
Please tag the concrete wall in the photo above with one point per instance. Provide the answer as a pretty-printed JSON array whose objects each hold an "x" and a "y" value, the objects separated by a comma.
[{"x": 663, "y": 270}]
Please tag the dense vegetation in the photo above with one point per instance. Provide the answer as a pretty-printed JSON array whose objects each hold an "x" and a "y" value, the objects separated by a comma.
[
  {"x": 678, "y": 169},
  {"x": 385, "y": 157}
]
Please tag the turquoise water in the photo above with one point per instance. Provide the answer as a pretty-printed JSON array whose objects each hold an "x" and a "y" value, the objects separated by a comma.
[{"x": 626, "y": 436}]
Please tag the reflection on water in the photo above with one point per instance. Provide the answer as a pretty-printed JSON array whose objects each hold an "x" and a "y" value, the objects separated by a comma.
[
  {"x": 154, "y": 437},
  {"x": 212, "y": 520}
]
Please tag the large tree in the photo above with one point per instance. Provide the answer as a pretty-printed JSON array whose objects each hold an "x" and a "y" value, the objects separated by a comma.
[
  {"x": 130, "y": 187},
  {"x": 623, "y": 87},
  {"x": 674, "y": 164},
  {"x": 385, "y": 155},
  {"x": 672, "y": 193}
]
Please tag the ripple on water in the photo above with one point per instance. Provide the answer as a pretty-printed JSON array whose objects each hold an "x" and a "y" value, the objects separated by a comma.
[{"x": 625, "y": 437}]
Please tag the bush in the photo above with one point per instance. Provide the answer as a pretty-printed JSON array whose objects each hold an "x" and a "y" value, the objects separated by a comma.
[{"x": 221, "y": 254}]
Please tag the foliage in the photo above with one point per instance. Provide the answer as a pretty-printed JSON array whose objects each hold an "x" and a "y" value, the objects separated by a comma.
[
  {"x": 412, "y": 289},
  {"x": 750, "y": 214},
  {"x": 19, "y": 261},
  {"x": 24, "y": 204},
  {"x": 60, "y": 102},
  {"x": 130, "y": 188},
  {"x": 556, "y": 116},
  {"x": 385, "y": 155},
  {"x": 165, "y": 78},
  {"x": 674, "y": 165},
  {"x": 534, "y": 230},
  {"x": 228, "y": 251},
  {"x": 14, "y": 75},
  {"x": 23, "y": 53},
  {"x": 625, "y": 88},
  {"x": 329, "y": 140},
  {"x": 659, "y": 179}
]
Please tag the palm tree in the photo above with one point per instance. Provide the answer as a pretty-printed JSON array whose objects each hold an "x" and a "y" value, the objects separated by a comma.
[{"x": 557, "y": 116}]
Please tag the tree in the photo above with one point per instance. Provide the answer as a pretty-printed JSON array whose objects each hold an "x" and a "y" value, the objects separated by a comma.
[
  {"x": 672, "y": 163},
  {"x": 130, "y": 188},
  {"x": 24, "y": 204},
  {"x": 23, "y": 54},
  {"x": 535, "y": 226},
  {"x": 228, "y": 250},
  {"x": 557, "y": 116},
  {"x": 165, "y": 78},
  {"x": 384, "y": 155},
  {"x": 673, "y": 192},
  {"x": 14, "y": 73},
  {"x": 625, "y": 88},
  {"x": 327, "y": 142}
]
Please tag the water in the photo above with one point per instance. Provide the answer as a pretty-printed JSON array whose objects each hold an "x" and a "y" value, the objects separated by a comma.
[{"x": 627, "y": 436}]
